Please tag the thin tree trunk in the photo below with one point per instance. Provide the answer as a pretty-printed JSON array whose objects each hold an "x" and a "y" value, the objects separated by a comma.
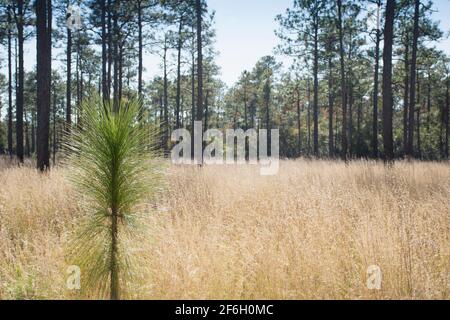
[
  {"x": 387, "y": 81},
  {"x": 69, "y": 80},
  {"x": 412, "y": 86},
  {"x": 140, "y": 49},
  {"x": 316, "y": 90},
  {"x": 446, "y": 116},
  {"x": 375, "y": 86},
  {"x": 343, "y": 85},
  {"x": 299, "y": 134},
  {"x": 406, "y": 94},
  {"x": 10, "y": 79},
  {"x": 330, "y": 108},
  {"x": 20, "y": 83},
  {"x": 198, "y": 9},
  {"x": 166, "y": 102},
  {"x": 105, "y": 91},
  {"x": 178, "y": 97}
]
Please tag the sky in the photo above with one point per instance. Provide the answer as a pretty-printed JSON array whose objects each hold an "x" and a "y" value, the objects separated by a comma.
[{"x": 245, "y": 33}]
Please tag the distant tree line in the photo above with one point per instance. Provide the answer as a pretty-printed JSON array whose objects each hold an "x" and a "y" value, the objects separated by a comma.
[{"x": 364, "y": 83}]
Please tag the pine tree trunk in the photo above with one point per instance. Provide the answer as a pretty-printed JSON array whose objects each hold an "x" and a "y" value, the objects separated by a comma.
[
  {"x": 375, "y": 87},
  {"x": 387, "y": 81},
  {"x": 406, "y": 95},
  {"x": 330, "y": 108},
  {"x": 20, "y": 82},
  {"x": 10, "y": 79},
  {"x": 343, "y": 85},
  {"x": 43, "y": 41},
  {"x": 412, "y": 85},
  {"x": 316, "y": 90}
]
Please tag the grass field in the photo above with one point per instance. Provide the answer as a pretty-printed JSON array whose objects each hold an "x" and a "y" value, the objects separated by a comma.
[{"x": 228, "y": 233}]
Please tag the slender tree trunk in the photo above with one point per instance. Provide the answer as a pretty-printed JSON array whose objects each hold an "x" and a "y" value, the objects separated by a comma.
[
  {"x": 116, "y": 57},
  {"x": 54, "y": 126},
  {"x": 412, "y": 85},
  {"x": 343, "y": 85},
  {"x": 166, "y": 102},
  {"x": 387, "y": 81},
  {"x": 105, "y": 91},
  {"x": 43, "y": 26},
  {"x": 350, "y": 116},
  {"x": 446, "y": 116},
  {"x": 375, "y": 86},
  {"x": 199, "y": 14},
  {"x": 69, "y": 80},
  {"x": 406, "y": 95},
  {"x": 192, "y": 97},
  {"x": 299, "y": 134},
  {"x": 110, "y": 47},
  {"x": 10, "y": 79},
  {"x": 140, "y": 49},
  {"x": 316, "y": 90},
  {"x": 309, "y": 117},
  {"x": 330, "y": 108},
  {"x": 20, "y": 83},
  {"x": 178, "y": 97}
]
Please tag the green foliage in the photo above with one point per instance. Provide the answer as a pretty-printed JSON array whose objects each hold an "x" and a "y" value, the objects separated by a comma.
[{"x": 115, "y": 170}]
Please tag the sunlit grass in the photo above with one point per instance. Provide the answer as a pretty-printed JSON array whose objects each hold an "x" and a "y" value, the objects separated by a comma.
[{"x": 226, "y": 232}]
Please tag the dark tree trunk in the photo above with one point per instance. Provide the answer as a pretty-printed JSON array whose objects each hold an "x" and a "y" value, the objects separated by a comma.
[
  {"x": 299, "y": 134},
  {"x": 110, "y": 47},
  {"x": 198, "y": 9},
  {"x": 178, "y": 97},
  {"x": 105, "y": 89},
  {"x": 446, "y": 116},
  {"x": 43, "y": 41},
  {"x": 140, "y": 49},
  {"x": 116, "y": 57},
  {"x": 316, "y": 90},
  {"x": 330, "y": 108},
  {"x": 10, "y": 79},
  {"x": 375, "y": 86},
  {"x": 343, "y": 85},
  {"x": 387, "y": 81},
  {"x": 406, "y": 94},
  {"x": 350, "y": 117},
  {"x": 412, "y": 85},
  {"x": 20, "y": 82},
  {"x": 309, "y": 117},
  {"x": 166, "y": 102},
  {"x": 69, "y": 80}
]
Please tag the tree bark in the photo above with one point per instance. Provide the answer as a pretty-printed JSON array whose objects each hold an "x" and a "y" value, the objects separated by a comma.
[
  {"x": 316, "y": 89},
  {"x": 330, "y": 108},
  {"x": 178, "y": 97},
  {"x": 69, "y": 80},
  {"x": 10, "y": 79},
  {"x": 406, "y": 94},
  {"x": 343, "y": 85},
  {"x": 20, "y": 83},
  {"x": 105, "y": 91},
  {"x": 43, "y": 50},
  {"x": 387, "y": 81},
  {"x": 375, "y": 86},
  {"x": 412, "y": 85}
]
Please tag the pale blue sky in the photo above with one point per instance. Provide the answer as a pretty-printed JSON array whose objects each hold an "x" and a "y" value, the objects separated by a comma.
[{"x": 245, "y": 32}]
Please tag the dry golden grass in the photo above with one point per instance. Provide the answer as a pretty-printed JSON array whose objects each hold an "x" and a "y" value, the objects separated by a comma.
[{"x": 226, "y": 232}]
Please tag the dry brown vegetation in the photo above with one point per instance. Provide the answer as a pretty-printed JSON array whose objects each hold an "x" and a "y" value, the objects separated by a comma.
[{"x": 226, "y": 232}]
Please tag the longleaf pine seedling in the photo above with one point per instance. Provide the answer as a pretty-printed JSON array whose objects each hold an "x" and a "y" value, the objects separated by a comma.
[{"x": 114, "y": 170}]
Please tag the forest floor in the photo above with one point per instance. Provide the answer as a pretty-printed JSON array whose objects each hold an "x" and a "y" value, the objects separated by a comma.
[{"x": 309, "y": 232}]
